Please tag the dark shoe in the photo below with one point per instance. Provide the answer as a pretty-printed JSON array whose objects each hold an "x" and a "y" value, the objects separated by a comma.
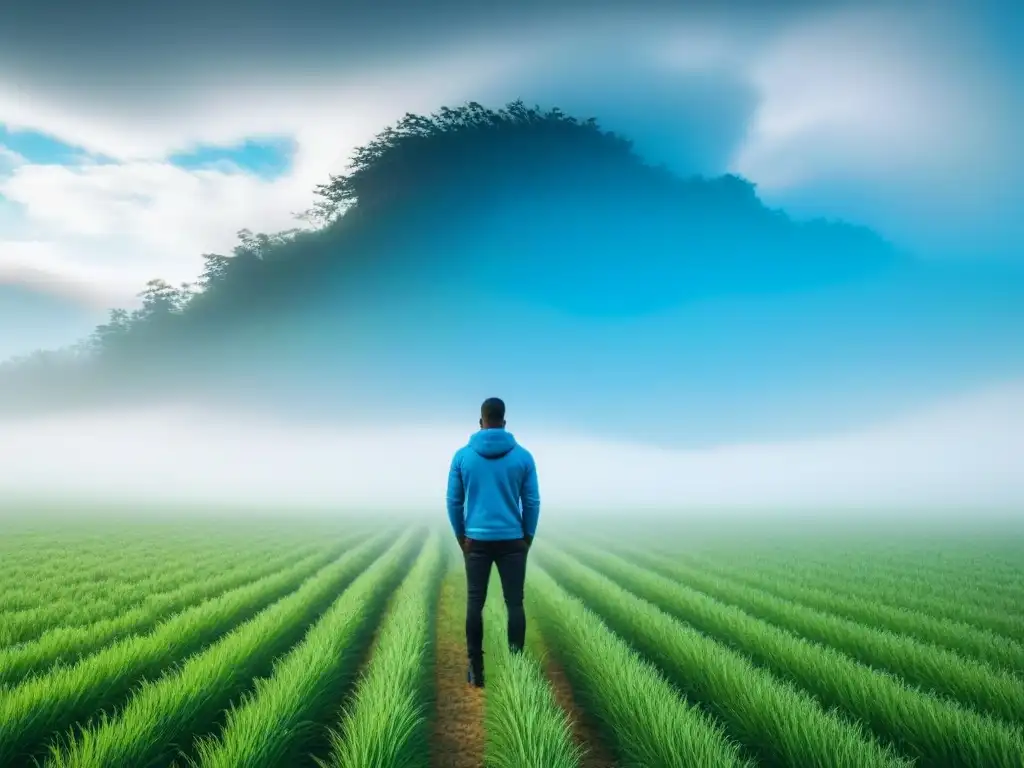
[{"x": 475, "y": 673}]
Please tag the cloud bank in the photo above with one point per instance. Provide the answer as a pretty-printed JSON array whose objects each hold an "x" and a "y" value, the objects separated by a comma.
[{"x": 966, "y": 454}]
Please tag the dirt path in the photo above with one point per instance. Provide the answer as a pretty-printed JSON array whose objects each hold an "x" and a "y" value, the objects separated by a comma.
[
  {"x": 585, "y": 731},
  {"x": 458, "y": 729}
]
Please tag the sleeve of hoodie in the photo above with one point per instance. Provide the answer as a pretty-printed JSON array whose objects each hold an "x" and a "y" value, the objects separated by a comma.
[
  {"x": 456, "y": 498},
  {"x": 530, "y": 494}
]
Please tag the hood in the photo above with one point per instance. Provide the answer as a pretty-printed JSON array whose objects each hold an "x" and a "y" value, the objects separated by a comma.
[{"x": 492, "y": 443}]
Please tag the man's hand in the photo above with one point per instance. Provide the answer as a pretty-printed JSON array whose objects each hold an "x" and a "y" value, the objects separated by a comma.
[
  {"x": 528, "y": 540},
  {"x": 462, "y": 545}
]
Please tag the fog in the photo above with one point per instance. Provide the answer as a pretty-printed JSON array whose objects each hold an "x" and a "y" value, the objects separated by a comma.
[{"x": 965, "y": 456}]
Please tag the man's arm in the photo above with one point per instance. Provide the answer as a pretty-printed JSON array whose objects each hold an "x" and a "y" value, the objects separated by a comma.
[
  {"x": 530, "y": 495},
  {"x": 456, "y": 500}
]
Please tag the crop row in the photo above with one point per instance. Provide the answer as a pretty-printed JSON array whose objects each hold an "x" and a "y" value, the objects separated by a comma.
[
  {"x": 76, "y": 560},
  {"x": 83, "y": 559},
  {"x": 904, "y": 567},
  {"x": 162, "y": 589},
  {"x": 69, "y": 581},
  {"x": 273, "y": 725},
  {"x": 961, "y": 606},
  {"x": 188, "y": 702},
  {"x": 963, "y": 638},
  {"x": 641, "y": 715},
  {"x": 69, "y": 644},
  {"x": 524, "y": 724},
  {"x": 26, "y": 559},
  {"x": 929, "y": 571},
  {"x": 386, "y": 721},
  {"x": 972, "y": 682},
  {"x": 773, "y": 720},
  {"x": 993, "y": 553},
  {"x": 32, "y": 585},
  {"x": 952, "y": 583},
  {"x": 106, "y": 578},
  {"x": 959, "y": 602},
  {"x": 921, "y": 725},
  {"x": 984, "y": 584},
  {"x": 984, "y": 562},
  {"x": 34, "y": 710}
]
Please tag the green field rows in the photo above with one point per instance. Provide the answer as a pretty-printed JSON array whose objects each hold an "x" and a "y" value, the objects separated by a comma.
[
  {"x": 937, "y": 731},
  {"x": 386, "y": 721},
  {"x": 524, "y": 724},
  {"x": 318, "y": 645},
  {"x": 189, "y": 699},
  {"x": 896, "y": 583},
  {"x": 643, "y": 717},
  {"x": 962, "y": 638},
  {"x": 934, "y": 669},
  {"x": 159, "y": 593},
  {"x": 956, "y": 604}
]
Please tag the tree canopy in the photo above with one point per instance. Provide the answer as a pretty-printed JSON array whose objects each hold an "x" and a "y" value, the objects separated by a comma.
[{"x": 529, "y": 182}]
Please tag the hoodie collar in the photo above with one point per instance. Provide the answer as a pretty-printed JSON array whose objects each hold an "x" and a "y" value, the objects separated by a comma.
[{"x": 492, "y": 443}]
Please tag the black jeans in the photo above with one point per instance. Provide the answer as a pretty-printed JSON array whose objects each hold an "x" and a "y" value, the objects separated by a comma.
[{"x": 510, "y": 557}]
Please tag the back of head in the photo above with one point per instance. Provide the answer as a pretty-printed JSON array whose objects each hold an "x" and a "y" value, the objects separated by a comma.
[{"x": 492, "y": 413}]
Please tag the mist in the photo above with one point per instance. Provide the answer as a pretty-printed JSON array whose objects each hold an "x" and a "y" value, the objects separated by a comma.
[
  {"x": 667, "y": 345},
  {"x": 962, "y": 458}
]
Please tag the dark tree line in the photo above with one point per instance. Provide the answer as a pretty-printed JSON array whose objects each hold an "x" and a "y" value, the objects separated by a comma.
[
  {"x": 415, "y": 158},
  {"x": 421, "y": 180}
]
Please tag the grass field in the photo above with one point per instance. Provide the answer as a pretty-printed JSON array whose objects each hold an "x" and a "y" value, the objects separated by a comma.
[{"x": 340, "y": 643}]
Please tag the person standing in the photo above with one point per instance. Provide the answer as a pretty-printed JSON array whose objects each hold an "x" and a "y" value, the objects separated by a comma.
[{"x": 493, "y": 505}]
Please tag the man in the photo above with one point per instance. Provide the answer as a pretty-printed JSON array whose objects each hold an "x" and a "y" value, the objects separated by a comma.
[{"x": 493, "y": 506}]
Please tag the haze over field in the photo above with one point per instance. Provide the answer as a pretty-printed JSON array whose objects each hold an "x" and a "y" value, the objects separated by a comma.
[
  {"x": 962, "y": 456},
  {"x": 689, "y": 337}
]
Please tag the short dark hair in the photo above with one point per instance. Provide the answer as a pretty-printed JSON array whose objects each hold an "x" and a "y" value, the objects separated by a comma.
[{"x": 492, "y": 411}]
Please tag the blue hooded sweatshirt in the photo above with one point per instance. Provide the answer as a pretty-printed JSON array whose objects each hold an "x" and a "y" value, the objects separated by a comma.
[{"x": 486, "y": 483}]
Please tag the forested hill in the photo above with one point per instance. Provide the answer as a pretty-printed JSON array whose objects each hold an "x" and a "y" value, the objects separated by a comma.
[{"x": 516, "y": 204}]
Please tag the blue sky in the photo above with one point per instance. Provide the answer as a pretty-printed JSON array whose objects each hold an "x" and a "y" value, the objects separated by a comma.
[
  {"x": 34, "y": 315},
  {"x": 264, "y": 158},
  {"x": 901, "y": 117},
  {"x": 42, "y": 149}
]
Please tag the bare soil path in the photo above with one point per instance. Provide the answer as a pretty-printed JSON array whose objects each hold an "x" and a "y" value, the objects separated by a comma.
[{"x": 458, "y": 728}]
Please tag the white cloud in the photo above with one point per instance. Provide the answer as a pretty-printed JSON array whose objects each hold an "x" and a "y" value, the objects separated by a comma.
[
  {"x": 120, "y": 224},
  {"x": 966, "y": 453},
  {"x": 43, "y": 267},
  {"x": 891, "y": 119},
  {"x": 9, "y": 159},
  {"x": 843, "y": 93}
]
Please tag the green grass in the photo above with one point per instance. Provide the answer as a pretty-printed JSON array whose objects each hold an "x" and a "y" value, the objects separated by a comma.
[
  {"x": 134, "y": 590},
  {"x": 35, "y": 710},
  {"x": 977, "y": 573},
  {"x": 524, "y": 725},
  {"x": 189, "y": 699},
  {"x": 158, "y": 643},
  {"x": 644, "y": 719},
  {"x": 974, "y": 683},
  {"x": 34, "y": 575},
  {"x": 962, "y": 638},
  {"x": 275, "y": 723},
  {"x": 69, "y": 644},
  {"x": 964, "y": 605},
  {"x": 923, "y": 726},
  {"x": 386, "y": 723},
  {"x": 774, "y": 721},
  {"x": 82, "y": 582}
]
